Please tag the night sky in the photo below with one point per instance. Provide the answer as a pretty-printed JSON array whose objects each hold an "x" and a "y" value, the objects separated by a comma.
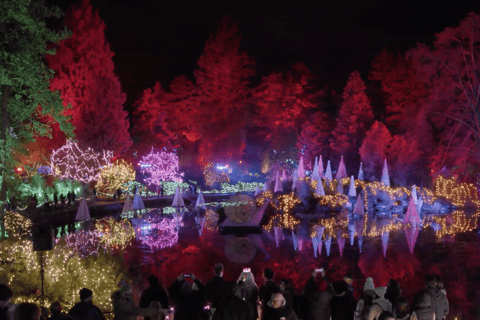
[{"x": 159, "y": 40}]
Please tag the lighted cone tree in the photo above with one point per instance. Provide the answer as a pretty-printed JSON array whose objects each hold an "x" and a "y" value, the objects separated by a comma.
[
  {"x": 161, "y": 166},
  {"x": 71, "y": 162}
]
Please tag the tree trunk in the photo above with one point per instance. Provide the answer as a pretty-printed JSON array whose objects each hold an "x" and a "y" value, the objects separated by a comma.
[{"x": 3, "y": 151}]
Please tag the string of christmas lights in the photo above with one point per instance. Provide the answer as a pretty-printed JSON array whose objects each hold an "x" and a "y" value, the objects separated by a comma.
[
  {"x": 71, "y": 162},
  {"x": 161, "y": 166},
  {"x": 116, "y": 176}
]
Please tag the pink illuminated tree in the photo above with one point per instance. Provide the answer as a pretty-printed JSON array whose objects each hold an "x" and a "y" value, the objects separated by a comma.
[
  {"x": 71, "y": 162},
  {"x": 162, "y": 166}
]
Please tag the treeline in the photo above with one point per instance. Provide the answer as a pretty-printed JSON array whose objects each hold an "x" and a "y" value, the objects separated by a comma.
[{"x": 424, "y": 116}]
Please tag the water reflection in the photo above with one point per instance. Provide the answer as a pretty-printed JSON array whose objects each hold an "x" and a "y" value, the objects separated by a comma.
[{"x": 167, "y": 242}]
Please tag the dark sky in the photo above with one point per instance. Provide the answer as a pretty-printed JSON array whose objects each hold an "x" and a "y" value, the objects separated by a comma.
[{"x": 157, "y": 40}]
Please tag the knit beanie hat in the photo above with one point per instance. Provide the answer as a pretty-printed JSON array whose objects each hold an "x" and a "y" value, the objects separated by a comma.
[
  {"x": 369, "y": 285},
  {"x": 380, "y": 291},
  {"x": 85, "y": 294}
]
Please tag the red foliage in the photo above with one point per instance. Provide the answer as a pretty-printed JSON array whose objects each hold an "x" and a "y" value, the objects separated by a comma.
[
  {"x": 315, "y": 135},
  {"x": 405, "y": 92},
  {"x": 354, "y": 118},
  {"x": 398, "y": 265},
  {"x": 451, "y": 69},
  {"x": 84, "y": 74},
  {"x": 213, "y": 112},
  {"x": 283, "y": 101},
  {"x": 379, "y": 144}
]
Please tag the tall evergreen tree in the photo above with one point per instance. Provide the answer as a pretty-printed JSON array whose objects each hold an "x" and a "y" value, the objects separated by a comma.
[
  {"x": 85, "y": 76},
  {"x": 404, "y": 90},
  {"x": 354, "y": 119},
  {"x": 315, "y": 136},
  {"x": 24, "y": 80},
  {"x": 223, "y": 79}
]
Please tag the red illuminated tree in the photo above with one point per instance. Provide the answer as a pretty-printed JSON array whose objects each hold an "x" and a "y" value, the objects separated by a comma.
[
  {"x": 152, "y": 109},
  {"x": 404, "y": 90},
  {"x": 223, "y": 80},
  {"x": 354, "y": 118},
  {"x": 402, "y": 154},
  {"x": 315, "y": 136},
  {"x": 207, "y": 118},
  {"x": 452, "y": 67},
  {"x": 374, "y": 149},
  {"x": 84, "y": 74},
  {"x": 282, "y": 101}
]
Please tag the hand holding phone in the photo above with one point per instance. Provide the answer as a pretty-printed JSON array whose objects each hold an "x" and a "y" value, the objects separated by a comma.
[
  {"x": 186, "y": 275},
  {"x": 319, "y": 270}
]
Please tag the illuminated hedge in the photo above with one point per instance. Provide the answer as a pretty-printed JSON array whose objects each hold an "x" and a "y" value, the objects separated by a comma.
[{"x": 116, "y": 176}]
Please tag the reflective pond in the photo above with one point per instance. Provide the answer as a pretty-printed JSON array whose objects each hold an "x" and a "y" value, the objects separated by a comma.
[{"x": 102, "y": 254}]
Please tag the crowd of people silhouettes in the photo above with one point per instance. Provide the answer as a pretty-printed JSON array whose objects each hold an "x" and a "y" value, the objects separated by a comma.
[{"x": 188, "y": 298}]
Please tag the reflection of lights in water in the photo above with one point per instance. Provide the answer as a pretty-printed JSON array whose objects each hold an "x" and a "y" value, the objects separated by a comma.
[
  {"x": 240, "y": 250},
  {"x": 211, "y": 220},
  {"x": 83, "y": 243},
  {"x": 159, "y": 235},
  {"x": 118, "y": 234}
]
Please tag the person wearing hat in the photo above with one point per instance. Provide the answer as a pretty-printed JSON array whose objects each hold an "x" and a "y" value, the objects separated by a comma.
[
  {"x": 85, "y": 310},
  {"x": 280, "y": 309},
  {"x": 155, "y": 292},
  {"x": 319, "y": 297},
  {"x": 380, "y": 304},
  {"x": 366, "y": 300},
  {"x": 124, "y": 307}
]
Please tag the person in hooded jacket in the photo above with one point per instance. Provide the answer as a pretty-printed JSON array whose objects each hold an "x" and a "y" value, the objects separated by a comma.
[
  {"x": 366, "y": 300},
  {"x": 124, "y": 307},
  {"x": 288, "y": 292},
  {"x": 269, "y": 287},
  {"x": 280, "y": 309},
  {"x": 441, "y": 287},
  {"x": 232, "y": 307},
  {"x": 423, "y": 309},
  {"x": 189, "y": 299},
  {"x": 85, "y": 309},
  {"x": 319, "y": 297},
  {"x": 379, "y": 304},
  {"x": 438, "y": 299},
  {"x": 343, "y": 303},
  {"x": 155, "y": 292}
]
